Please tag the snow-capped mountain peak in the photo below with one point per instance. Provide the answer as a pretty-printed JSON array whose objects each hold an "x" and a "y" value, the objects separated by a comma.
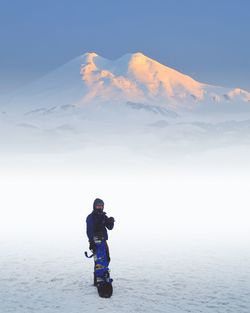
[
  {"x": 135, "y": 77},
  {"x": 132, "y": 78},
  {"x": 238, "y": 92}
]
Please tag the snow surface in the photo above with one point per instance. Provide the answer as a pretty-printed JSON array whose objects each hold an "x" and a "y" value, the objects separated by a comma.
[{"x": 175, "y": 280}]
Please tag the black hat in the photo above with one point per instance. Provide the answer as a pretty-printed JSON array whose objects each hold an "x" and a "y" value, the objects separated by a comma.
[{"x": 98, "y": 202}]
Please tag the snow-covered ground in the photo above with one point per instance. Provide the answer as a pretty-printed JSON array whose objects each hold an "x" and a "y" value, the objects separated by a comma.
[
  {"x": 180, "y": 242},
  {"x": 146, "y": 279}
]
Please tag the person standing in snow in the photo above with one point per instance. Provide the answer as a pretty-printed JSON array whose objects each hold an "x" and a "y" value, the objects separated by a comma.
[{"x": 97, "y": 224}]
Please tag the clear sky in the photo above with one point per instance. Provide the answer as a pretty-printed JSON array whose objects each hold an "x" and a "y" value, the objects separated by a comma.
[{"x": 207, "y": 39}]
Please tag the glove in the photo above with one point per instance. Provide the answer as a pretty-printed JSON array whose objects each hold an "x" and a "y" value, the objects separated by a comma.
[
  {"x": 111, "y": 220},
  {"x": 92, "y": 246}
]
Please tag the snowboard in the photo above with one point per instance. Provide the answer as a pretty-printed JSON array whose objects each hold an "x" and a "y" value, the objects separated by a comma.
[{"x": 102, "y": 279}]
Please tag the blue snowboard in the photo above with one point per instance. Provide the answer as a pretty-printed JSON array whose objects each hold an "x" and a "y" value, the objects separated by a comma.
[{"x": 102, "y": 278}]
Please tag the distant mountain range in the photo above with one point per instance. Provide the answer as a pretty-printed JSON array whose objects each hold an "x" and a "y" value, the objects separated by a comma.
[
  {"x": 133, "y": 102},
  {"x": 135, "y": 80}
]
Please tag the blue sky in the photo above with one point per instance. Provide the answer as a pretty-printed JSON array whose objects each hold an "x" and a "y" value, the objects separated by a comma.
[{"x": 208, "y": 40}]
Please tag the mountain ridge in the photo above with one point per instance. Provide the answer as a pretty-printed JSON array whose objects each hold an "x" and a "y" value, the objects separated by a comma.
[{"x": 133, "y": 77}]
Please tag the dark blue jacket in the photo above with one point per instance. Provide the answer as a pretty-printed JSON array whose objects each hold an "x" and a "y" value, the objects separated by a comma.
[{"x": 97, "y": 222}]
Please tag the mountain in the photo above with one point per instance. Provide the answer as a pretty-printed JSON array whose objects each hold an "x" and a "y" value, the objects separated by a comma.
[
  {"x": 133, "y": 103},
  {"x": 132, "y": 79},
  {"x": 136, "y": 78}
]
